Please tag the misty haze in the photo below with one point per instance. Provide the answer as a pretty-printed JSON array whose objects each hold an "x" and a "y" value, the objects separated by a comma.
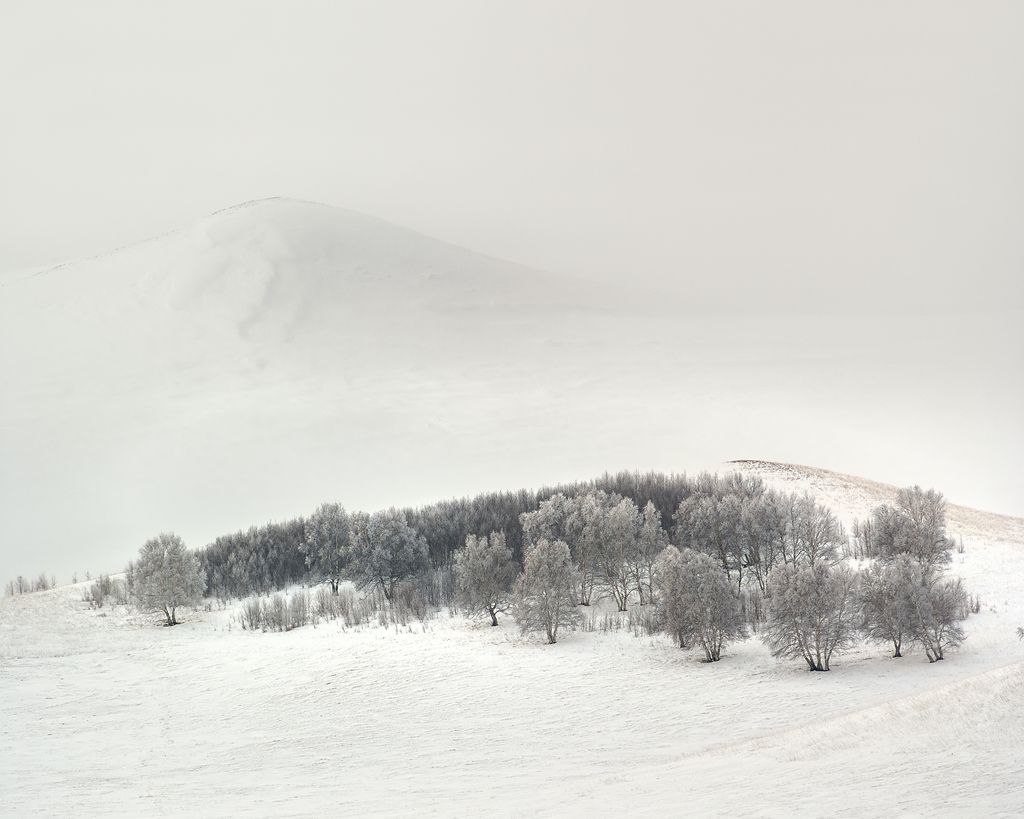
[{"x": 520, "y": 409}]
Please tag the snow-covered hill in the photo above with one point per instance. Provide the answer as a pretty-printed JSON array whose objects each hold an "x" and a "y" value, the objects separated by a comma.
[
  {"x": 281, "y": 353},
  {"x": 854, "y": 498},
  {"x": 102, "y": 712},
  {"x": 264, "y": 359}
]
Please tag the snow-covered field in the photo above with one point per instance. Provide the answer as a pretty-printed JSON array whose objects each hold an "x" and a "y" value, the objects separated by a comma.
[{"x": 103, "y": 712}]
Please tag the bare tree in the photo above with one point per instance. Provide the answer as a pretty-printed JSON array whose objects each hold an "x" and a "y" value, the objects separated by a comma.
[
  {"x": 545, "y": 593},
  {"x": 811, "y": 613},
  {"x": 484, "y": 575}
]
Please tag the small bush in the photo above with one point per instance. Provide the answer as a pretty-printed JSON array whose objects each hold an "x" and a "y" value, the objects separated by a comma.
[
  {"x": 283, "y": 612},
  {"x": 645, "y": 621},
  {"x": 275, "y": 613},
  {"x": 251, "y": 616},
  {"x": 104, "y": 588},
  {"x": 298, "y": 610},
  {"x": 407, "y": 604},
  {"x": 23, "y": 585}
]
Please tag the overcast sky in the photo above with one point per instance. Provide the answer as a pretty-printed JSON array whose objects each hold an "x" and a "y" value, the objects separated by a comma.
[
  {"x": 810, "y": 155},
  {"x": 859, "y": 157}
]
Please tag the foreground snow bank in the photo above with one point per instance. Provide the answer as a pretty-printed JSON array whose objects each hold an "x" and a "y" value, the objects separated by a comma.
[{"x": 107, "y": 715}]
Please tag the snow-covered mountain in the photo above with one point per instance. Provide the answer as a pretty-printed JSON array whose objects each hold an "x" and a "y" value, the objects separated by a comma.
[
  {"x": 271, "y": 355},
  {"x": 282, "y": 353},
  {"x": 264, "y": 282}
]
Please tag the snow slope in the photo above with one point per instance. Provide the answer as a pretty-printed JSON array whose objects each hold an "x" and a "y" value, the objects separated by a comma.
[
  {"x": 104, "y": 713},
  {"x": 854, "y": 498}
]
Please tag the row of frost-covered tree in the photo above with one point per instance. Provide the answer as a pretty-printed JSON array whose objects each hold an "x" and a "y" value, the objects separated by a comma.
[{"x": 732, "y": 555}]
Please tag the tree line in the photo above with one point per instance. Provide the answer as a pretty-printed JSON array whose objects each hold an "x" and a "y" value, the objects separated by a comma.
[
  {"x": 731, "y": 556},
  {"x": 266, "y": 558},
  {"x": 30, "y": 585}
]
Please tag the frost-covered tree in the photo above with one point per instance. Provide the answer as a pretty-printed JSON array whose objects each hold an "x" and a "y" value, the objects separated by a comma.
[
  {"x": 936, "y": 610},
  {"x": 326, "y": 542},
  {"x": 714, "y": 611},
  {"x": 484, "y": 575},
  {"x": 385, "y": 550},
  {"x": 813, "y": 533},
  {"x": 709, "y": 523},
  {"x": 668, "y": 573},
  {"x": 166, "y": 577},
  {"x": 546, "y": 591},
  {"x": 562, "y": 518},
  {"x": 616, "y": 534},
  {"x": 582, "y": 522},
  {"x": 697, "y": 601},
  {"x": 887, "y": 601},
  {"x": 650, "y": 543},
  {"x": 762, "y": 530},
  {"x": 812, "y": 612},
  {"x": 915, "y": 525}
]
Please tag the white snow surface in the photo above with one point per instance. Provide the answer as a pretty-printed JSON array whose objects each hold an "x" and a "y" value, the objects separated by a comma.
[
  {"x": 106, "y": 713},
  {"x": 280, "y": 354}
]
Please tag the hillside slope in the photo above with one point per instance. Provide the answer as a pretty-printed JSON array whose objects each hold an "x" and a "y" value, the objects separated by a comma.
[
  {"x": 104, "y": 712},
  {"x": 281, "y": 353},
  {"x": 853, "y": 498}
]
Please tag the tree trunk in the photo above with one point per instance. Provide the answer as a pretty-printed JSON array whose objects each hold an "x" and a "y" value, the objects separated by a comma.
[
  {"x": 334, "y": 585},
  {"x": 494, "y": 616}
]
